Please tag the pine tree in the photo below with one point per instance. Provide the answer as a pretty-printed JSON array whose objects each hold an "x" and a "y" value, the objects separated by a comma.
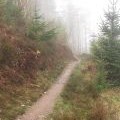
[
  {"x": 107, "y": 48},
  {"x": 39, "y": 30},
  {"x": 111, "y": 26}
]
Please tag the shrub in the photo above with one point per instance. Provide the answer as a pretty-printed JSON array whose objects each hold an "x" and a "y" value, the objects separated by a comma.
[
  {"x": 91, "y": 90},
  {"x": 100, "y": 80},
  {"x": 7, "y": 52},
  {"x": 40, "y": 30}
]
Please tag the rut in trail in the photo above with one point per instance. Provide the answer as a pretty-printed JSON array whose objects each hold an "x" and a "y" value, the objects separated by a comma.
[{"x": 45, "y": 104}]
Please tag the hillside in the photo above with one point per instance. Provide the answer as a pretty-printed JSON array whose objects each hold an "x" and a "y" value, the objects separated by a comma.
[{"x": 31, "y": 58}]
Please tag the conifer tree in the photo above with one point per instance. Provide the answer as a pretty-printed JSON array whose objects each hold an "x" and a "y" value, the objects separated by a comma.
[
  {"x": 107, "y": 48},
  {"x": 39, "y": 29}
]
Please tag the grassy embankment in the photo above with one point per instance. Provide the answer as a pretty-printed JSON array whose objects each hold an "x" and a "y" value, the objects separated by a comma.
[
  {"x": 31, "y": 57},
  {"x": 14, "y": 100},
  {"x": 24, "y": 74},
  {"x": 85, "y": 99}
]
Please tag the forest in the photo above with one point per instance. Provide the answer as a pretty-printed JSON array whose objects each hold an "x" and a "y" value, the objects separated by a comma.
[
  {"x": 31, "y": 57},
  {"x": 52, "y": 69}
]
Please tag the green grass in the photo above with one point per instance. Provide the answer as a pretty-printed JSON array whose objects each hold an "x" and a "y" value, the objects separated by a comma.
[
  {"x": 75, "y": 102},
  {"x": 81, "y": 98},
  {"x": 14, "y": 100}
]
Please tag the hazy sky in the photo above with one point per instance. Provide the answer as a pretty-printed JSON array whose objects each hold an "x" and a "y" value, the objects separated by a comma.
[
  {"x": 80, "y": 17},
  {"x": 92, "y": 10}
]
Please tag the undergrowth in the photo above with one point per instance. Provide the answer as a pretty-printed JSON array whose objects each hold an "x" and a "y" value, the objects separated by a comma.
[
  {"x": 82, "y": 97},
  {"x": 31, "y": 57},
  {"x": 15, "y": 99}
]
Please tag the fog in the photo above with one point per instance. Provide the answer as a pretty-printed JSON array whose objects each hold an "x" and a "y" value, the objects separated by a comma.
[{"x": 81, "y": 19}]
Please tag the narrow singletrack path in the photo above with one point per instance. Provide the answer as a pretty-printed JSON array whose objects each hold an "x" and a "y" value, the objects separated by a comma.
[{"x": 45, "y": 104}]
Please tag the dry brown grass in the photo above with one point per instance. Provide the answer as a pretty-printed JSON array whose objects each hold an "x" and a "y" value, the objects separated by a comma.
[
  {"x": 99, "y": 111},
  {"x": 102, "y": 110}
]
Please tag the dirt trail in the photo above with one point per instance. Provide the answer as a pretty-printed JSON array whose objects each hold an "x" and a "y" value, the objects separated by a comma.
[{"x": 45, "y": 104}]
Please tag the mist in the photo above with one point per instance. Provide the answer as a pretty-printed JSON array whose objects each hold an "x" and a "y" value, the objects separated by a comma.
[
  {"x": 80, "y": 18},
  {"x": 60, "y": 59}
]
